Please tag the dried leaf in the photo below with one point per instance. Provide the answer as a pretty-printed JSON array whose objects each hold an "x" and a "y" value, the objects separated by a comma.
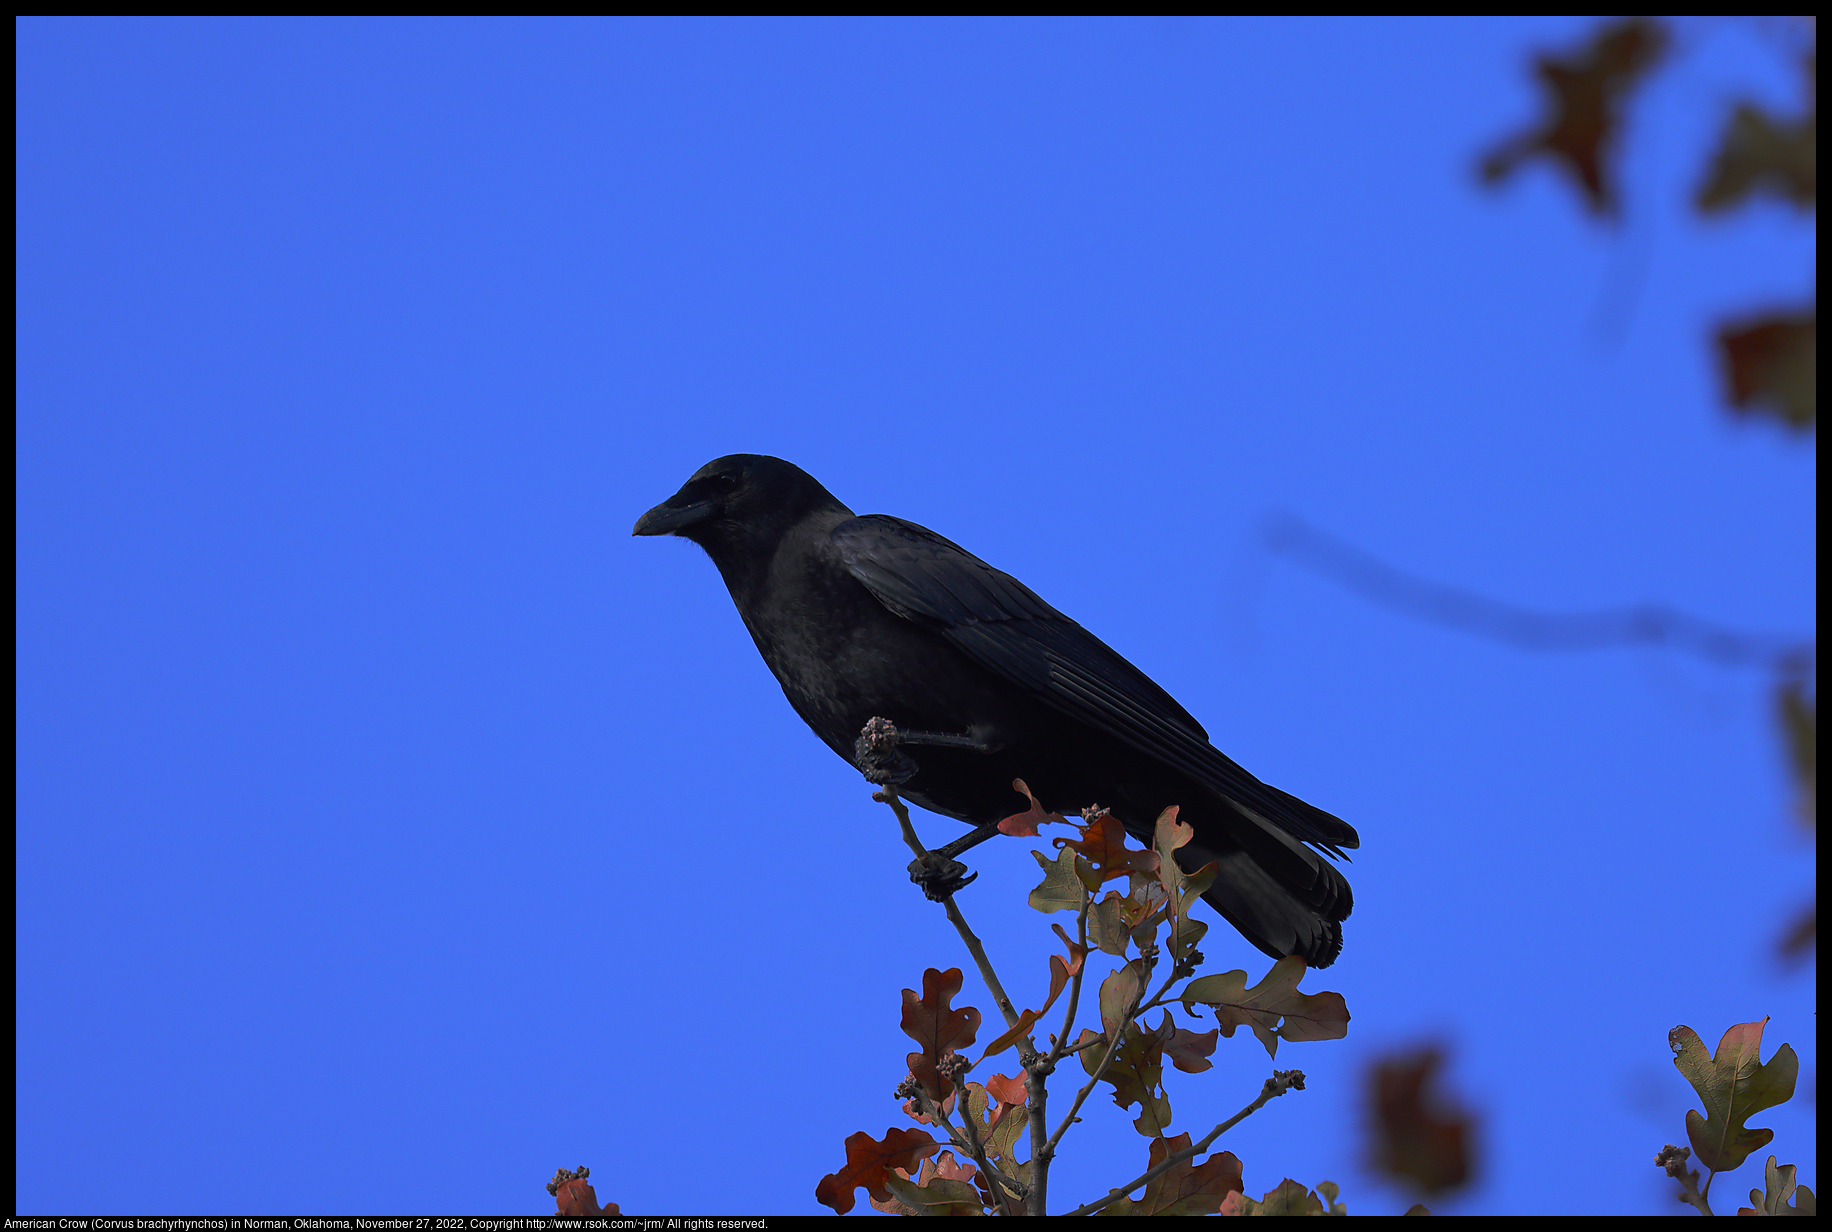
[
  {"x": 1136, "y": 1075},
  {"x": 893, "y": 1205},
  {"x": 1118, "y": 992},
  {"x": 1320, "y": 1016},
  {"x": 1418, "y": 1136},
  {"x": 999, "y": 1133},
  {"x": 947, "y": 1168},
  {"x": 1583, "y": 98},
  {"x": 1181, "y": 889},
  {"x": 1027, "y": 1019},
  {"x": 1771, "y": 364},
  {"x": 1061, "y": 970},
  {"x": 940, "y": 1187},
  {"x": 1061, "y": 889},
  {"x": 937, "y": 1026},
  {"x": 1290, "y": 1198},
  {"x": 938, "y": 1197},
  {"x": 1188, "y": 1050},
  {"x": 1760, "y": 154},
  {"x": 1008, "y": 1092},
  {"x": 1186, "y": 1189},
  {"x": 870, "y": 1164},
  {"x": 1107, "y": 929},
  {"x": 1734, "y": 1085},
  {"x": 1779, "y": 1184},
  {"x": 1026, "y": 823},
  {"x": 1103, "y": 842}
]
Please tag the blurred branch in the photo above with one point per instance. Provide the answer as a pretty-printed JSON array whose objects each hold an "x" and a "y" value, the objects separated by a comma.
[{"x": 1644, "y": 624}]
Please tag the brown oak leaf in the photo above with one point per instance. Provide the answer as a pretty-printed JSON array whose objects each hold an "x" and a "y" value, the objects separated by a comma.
[
  {"x": 937, "y": 1026},
  {"x": 1306, "y": 1016},
  {"x": 1418, "y": 1136},
  {"x": 1187, "y": 1189},
  {"x": 871, "y": 1163},
  {"x": 1584, "y": 96}
]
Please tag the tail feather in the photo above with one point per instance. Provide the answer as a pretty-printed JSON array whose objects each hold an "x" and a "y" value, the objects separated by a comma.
[{"x": 1277, "y": 918}]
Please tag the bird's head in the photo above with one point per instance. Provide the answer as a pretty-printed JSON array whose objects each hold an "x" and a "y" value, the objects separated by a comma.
[{"x": 740, "y": 497}]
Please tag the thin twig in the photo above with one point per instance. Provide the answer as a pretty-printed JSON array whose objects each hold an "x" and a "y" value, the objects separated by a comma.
[
  {"x": 1092, "y": 1040},
  {"x": 889, "y": 796},
  {"x": 1280, "y": 1082}
]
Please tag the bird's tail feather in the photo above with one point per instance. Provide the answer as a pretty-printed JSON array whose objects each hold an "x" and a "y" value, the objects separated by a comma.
[{"x": 1267, "y": 912}]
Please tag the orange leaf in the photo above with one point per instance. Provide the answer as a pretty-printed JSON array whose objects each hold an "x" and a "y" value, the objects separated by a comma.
[
  {"x": 1103, "y": 843},
  {"x": 1026, "y": 1020},
  {"x": 1009, "y": 1092},
  {"x": 1026, "y": 823}
]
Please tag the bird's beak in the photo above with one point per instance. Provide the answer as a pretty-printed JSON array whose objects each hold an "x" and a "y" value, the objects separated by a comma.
[{"x": 668, "y": 518}]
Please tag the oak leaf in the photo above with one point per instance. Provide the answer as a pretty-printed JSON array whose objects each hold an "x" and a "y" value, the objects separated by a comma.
[
  {"x": 1734, "y": 1085},
  {"x": 1771, "y": 364},
  {"x": 1418, "y": 1136},
  {"x": 1025, "y": 824},
  {"x": 1305, "y": 1016},
  {"x": 870, "y": 1163},
  {"x": 1103, "y": 842},
  {"x": 937, "y": 1026},
  {"x": 1061, "y": 888},
  {"x": 1780, "y": 1184},
  {"x": 1186, "y": 1189},
  {"x": 1584, "y": 95}
]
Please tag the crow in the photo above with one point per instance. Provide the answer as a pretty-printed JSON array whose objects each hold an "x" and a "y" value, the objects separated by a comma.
[{"x": 875, "y": 617}]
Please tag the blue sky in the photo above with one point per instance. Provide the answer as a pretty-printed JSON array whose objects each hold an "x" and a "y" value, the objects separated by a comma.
[{"x": 394, "y": 829}]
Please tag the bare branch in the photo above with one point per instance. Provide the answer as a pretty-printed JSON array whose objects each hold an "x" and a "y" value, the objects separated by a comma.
[{"x": 1644, "y": 624}]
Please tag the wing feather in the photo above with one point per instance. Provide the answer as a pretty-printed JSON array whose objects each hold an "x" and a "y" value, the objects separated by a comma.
[{"x": 1003, "y": 625}]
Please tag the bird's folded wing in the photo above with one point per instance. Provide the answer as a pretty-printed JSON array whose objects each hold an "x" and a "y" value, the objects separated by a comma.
[{"x": 1003, "y": 625}]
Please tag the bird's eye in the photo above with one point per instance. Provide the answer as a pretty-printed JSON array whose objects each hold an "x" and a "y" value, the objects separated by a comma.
[{"x": 724, "y": 484}]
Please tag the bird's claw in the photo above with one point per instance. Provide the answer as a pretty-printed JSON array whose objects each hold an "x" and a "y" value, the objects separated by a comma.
[
  {"x": 939, "y": 876},
  {"x": 890, "y": 771},
  {"x": 875, "y": 754}
]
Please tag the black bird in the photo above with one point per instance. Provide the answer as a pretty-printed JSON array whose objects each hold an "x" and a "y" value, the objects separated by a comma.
[{"x": 862, "y": 617}]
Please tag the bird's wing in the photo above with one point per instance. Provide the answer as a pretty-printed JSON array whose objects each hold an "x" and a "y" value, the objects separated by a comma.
[{"x": 1002, "y": 624}]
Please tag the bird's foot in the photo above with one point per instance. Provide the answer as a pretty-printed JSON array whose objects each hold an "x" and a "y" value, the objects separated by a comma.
[
  {"x": 875, "y": 754},
  {"x": 938, "y": 875}
]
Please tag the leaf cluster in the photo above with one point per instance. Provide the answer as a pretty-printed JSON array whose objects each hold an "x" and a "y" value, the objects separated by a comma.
[{"x": 1131, "y": 903}]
